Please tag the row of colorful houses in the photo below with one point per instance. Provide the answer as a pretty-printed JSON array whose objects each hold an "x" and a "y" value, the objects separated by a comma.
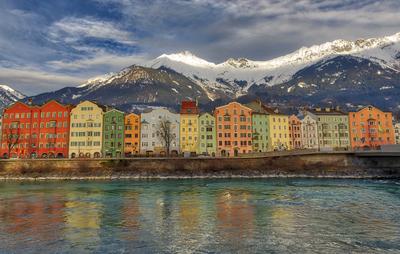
[{"x": 90, "y": 130}]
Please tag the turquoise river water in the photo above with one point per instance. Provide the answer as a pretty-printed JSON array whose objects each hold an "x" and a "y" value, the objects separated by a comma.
[{"x": 201, "y": 216}]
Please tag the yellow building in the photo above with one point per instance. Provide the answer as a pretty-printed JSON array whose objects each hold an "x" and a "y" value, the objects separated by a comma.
[
  {"x": 86, "y": 130},
  {"x": 279, "y": 132},
  {"x": 189, "y": 130}
]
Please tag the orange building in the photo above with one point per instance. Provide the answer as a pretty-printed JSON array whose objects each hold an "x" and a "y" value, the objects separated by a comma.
[
  {"x": 295, "y": 132},
  {"x": 234, "y": 129},
  {"x": 132, "y": 134},
  {"x": 370, "y": 128}
]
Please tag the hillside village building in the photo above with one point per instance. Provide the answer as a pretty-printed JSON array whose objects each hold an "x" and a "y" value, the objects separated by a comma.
[
  {"x": 1, "y": 122},
  {"x": 397, "y": 133},
  {"x": 36, "y": 131},
  {"x": 371, "y": 128},
  {"x": 113, "y": 134},
  {"x": 207, "y": 135},
  {"x": 151, "y": 141},
  {"x": 132, "y": 135},
  {"x": 86, "y": 131},
  {"x": 295, "y": 132},
  {"x": 188, "y": 137},
  {"x": 333, "y": 128},
  {"x": 309, "y": 131},
  {"x": 234, "y": 129}
]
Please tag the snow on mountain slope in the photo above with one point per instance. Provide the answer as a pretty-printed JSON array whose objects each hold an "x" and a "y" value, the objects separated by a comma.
[
  {"x": 240, "y": 74},
  {"x": 8, "y": 96}
]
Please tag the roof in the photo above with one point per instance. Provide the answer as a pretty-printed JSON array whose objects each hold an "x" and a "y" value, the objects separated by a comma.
[
  {"x": 189, "y": 107},
  {"x": 327, "y": 111},
  {"x": 234, "y": 102},
  {"x": 358, "y": 110},
  {"x": 259, "y": 107}
]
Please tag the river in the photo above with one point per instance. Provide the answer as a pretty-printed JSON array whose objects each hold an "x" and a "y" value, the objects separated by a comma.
[{"x": 201, "y": 216}]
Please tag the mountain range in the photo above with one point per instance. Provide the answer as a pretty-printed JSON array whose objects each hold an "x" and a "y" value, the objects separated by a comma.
[{"x": 345, "y": 73}]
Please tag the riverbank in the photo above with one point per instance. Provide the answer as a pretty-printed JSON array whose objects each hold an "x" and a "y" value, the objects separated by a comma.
[{"x": 318, "y": 165}]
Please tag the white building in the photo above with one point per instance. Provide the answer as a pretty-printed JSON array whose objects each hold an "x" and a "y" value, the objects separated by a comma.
[
  {"x": 150, "y": 140},
  {"x": 309, "y": 131},
  {"x": 397, "y": 133}
]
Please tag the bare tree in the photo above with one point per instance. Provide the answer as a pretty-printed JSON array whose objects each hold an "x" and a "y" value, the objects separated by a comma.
[
  {"x": 166, "y": 134},
  {"x": 12, "y": 139}
]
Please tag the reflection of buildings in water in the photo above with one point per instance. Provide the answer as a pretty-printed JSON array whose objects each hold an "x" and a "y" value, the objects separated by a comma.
[
  {"x": 82, "y": 219},
  {"x": 235, "y": 216},
  {"x": 130, "y": 215},
  {"x": 34, "y": 218},
  {"x": 189, "y": 212}
]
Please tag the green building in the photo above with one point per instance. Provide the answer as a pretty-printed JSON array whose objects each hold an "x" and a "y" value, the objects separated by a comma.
[
  {"x": 113, "y": 134},
  {"x": 207, "y": 135},
  {"x": 260, "y": 132},
  {"x": 333, "y": 128}
]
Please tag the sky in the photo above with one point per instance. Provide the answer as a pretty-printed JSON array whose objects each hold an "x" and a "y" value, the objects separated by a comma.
[{"x": 49, "y": 44}]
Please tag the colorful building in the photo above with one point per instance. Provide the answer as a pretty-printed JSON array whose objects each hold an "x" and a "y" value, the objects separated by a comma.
[
  {"x": 370, "y": 128},
  {"x": 207, "y": 135},
  {"x": 278, "y": 126},
  {"x": 36, "y": 131},
  {"x": 86, "y": 131},
  {"x": 333, "y": 128},
  {"x": 188, "y": 137},
  {"x": 309, "y": 131},
  {"x": 151, "y": 141},
  {"x": 113, "y": 134},
  {"x": 1, "y": 135},
  {"x": 132, "y": 135},
  {"x": 295, "y": 132},
  {"x": 234, "y": 129},
  {"x": 260, "y": 132},
  {"x": 397, "y": 133}
]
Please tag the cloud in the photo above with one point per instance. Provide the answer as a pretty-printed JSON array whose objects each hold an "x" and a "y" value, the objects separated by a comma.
[
  {"x": 29, "y": 81},
  {"x": 102, "y": 60},
  {"x": 49, "y": 44},
  {"x": 73, "y": 30}
]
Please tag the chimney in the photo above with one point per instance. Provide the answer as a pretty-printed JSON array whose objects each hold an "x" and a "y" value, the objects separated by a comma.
[
  {"x": 327, "y": 109},
  {"x": 30, "y": 101},
  {"x": 337, "y": 108}
]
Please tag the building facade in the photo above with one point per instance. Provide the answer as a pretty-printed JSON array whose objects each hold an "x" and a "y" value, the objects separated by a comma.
[
  {"x": 309, "y": 132},
  {"x": 260, "y": 132},
  {"x": 333, "y": 128},
  {"x": 151, "y": 142},
  {"x": 132, "y": 135},
  {"x": 1, "y": 134},
  {"x": 397, "y": 133},
  {"x": 295, "y": 132},
  {"x": 188, "y": 137},
  {"x": 234, "y": 129},
  {"x": 278, "y": 126},
  {"x": 370, "y": 128},
  {"x": 86, "y": 130},
  {"x": 113, "y": 134},
  {"x": 207, "y": 135},
  {"x": 36, "y": 131}
]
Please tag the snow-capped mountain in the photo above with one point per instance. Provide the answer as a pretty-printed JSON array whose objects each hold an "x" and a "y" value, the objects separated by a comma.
[
  {"x": 133, "y": 86},
  {"x": 8, "y": 96},
  {"x": 238, "y": 75},
  {"x": 365, "y": 71}
]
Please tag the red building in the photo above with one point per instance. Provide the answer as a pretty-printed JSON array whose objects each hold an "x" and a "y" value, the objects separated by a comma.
[
  {"x": 295, "y": 132},
  {"x": 35, "y": 131}
]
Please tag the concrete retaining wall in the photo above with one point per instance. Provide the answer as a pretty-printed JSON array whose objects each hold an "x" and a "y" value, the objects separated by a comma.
[{"x": 310, "y": 165}]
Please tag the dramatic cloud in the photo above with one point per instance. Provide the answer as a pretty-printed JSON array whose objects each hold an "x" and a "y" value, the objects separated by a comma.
[{"x": 80, "y": 39}]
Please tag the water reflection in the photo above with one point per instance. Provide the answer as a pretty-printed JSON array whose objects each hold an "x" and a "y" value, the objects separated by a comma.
[{"x": 223, "y": 216}]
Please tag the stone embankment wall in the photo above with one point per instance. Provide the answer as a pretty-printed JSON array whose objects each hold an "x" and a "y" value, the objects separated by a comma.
[{"x": 297, "y": 165}]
